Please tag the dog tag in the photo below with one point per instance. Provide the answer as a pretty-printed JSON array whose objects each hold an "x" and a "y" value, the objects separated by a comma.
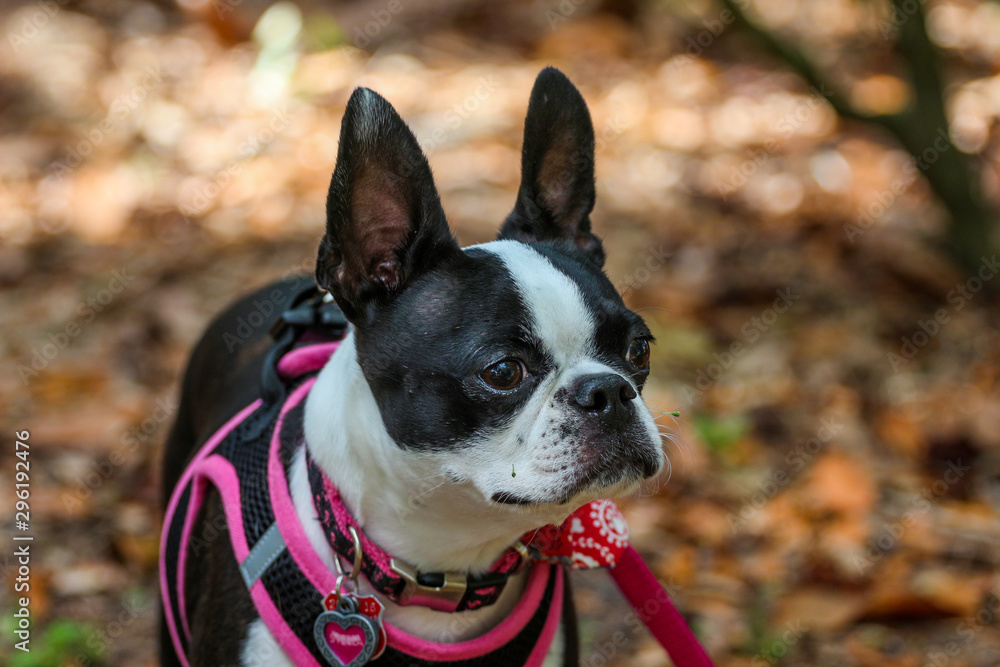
[{"x": 367, "y": 606}]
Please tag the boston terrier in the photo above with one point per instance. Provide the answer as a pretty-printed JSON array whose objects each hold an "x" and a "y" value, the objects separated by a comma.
[{"x": 479, "y": 393}]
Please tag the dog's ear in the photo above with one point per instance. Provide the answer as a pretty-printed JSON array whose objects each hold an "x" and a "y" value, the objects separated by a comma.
[
  {"x": 557, "y": 169},
  {"x": 384, "y": 223}
]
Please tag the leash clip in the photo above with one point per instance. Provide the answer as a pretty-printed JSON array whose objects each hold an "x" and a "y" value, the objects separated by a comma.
[
  {"x": 522, "y": 550},
  {"x": 444, "y": 597}
]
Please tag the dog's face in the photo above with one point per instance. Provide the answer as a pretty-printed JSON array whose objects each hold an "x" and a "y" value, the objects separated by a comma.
[{"x": 514, "y": 365}]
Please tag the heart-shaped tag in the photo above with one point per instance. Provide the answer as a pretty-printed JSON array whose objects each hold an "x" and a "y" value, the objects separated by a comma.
[
  {"x": 345, "y": 637},
  {"x": 366, "y": 605}
]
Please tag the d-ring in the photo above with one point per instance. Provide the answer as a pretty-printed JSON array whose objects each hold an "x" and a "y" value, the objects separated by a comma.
[
  {"x": 337, "y": 587},
  {"x": 356, "y": 567}
]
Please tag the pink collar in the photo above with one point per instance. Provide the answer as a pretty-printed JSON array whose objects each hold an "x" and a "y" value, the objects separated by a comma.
[
  {"x": 280, "y": 567},
  {"x": 594, "y": 536},
  {"x": 573, "y": 544}
]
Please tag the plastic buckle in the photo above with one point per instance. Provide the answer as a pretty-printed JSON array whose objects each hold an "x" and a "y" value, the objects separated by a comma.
[{"x": 304, "y": 314}]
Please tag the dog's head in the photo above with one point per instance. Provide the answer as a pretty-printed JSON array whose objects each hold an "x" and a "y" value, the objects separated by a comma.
[{"x": 515, "y": 362}]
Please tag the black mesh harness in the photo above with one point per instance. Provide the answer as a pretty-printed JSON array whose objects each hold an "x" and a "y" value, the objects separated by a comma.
[{"x": 247, "y": 463}]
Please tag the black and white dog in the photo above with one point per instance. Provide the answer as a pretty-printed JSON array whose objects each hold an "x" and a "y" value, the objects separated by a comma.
[{"x": 480, "y": 393}]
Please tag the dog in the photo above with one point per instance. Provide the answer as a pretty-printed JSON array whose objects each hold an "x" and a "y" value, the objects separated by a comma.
[{"x": 479, "y": 393}]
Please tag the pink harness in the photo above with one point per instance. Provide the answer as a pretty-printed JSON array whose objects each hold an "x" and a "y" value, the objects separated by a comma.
[{"x": 278, "y": 563}]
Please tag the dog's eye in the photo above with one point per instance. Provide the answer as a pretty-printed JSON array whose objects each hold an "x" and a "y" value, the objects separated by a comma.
[
  {"x": 504, "y": 374},
  {"x": 638, "y": 353}
]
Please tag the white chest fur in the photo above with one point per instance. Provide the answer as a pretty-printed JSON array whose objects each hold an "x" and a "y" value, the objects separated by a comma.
[
  {"x": 386, "y": 490},
  {"x": 260, "y": 648}
]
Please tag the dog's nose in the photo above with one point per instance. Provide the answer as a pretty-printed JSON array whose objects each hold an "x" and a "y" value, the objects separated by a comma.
[{"x": 608, "y": 395}]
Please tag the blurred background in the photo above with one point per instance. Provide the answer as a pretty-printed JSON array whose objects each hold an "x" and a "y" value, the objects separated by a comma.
[{"x": 800, "y": 197}]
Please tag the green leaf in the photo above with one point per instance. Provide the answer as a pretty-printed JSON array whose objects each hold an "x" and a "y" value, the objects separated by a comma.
[
  {"x": 63, "y": 641},
  {"x": 720, "y": 433}
]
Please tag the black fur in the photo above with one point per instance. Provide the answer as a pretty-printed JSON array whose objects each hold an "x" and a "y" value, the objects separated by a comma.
[
  {"x": 616, "y": 324},
  {"x": 442, "y": 331},
  {"x": 428, "y": 316},
  {"x": 384, "y": 218},
  {"x": 557, "y": 169},
  {"x": 223, "y": 377},
  {"x": 422, "y": 352}
]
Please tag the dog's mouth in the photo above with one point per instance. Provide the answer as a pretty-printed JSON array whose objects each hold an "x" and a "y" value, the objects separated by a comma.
[
  {"x": 508, "y": 498},
  {"x": 621, "y": 487},
  {"x": 602, "y": 483},
  {"x": 614, "y": 477}
]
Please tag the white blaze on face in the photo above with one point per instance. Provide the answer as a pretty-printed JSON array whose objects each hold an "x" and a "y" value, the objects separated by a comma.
[
  {"x": 560, "y": 318},
  {"x": 542, "y": 444}
]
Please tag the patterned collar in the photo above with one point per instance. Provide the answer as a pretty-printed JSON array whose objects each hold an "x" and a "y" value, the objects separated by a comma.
[{"x": 594, "y": 536}]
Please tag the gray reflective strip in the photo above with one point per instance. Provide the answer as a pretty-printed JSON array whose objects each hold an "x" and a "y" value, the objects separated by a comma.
[{"x": 268, "y": 548}]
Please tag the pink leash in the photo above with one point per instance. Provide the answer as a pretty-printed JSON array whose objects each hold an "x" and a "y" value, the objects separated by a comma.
[
  {"x": 651, "y": 603},
  {"x": 600, "y": 540}
]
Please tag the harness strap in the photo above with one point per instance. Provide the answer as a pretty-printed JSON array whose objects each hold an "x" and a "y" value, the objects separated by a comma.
[
  {"x": 246, "y": 463},
  {"x": 647, "y": 596},
  {"x": 266, "y": 551},
  {"x": 311, "y": 310},
  {"x": 276, "y": 574}
]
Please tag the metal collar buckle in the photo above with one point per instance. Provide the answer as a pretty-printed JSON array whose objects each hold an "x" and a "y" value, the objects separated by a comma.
[{"x": 444, "y": 597}]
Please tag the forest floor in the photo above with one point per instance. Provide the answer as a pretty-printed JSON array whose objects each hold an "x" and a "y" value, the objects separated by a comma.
[{"x": 834, "y": 488}]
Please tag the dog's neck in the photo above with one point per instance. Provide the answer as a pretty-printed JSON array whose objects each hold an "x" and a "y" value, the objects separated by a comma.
[{"x": 402, "y": 499}]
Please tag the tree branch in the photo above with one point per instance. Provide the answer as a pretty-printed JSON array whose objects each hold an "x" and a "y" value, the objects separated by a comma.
[{"x": 922, "y": 128}]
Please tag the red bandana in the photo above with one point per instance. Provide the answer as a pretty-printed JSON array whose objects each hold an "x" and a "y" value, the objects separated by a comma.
[{"x": 593, "y": 536}]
